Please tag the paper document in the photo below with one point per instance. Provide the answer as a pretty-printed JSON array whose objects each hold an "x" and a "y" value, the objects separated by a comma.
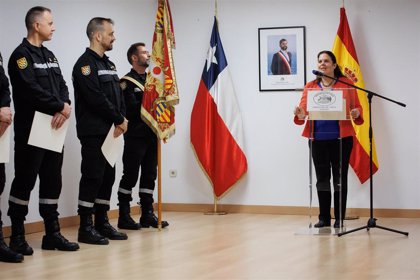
[
  {"x": 112, "y": 147},
  {"x": 44, "y": 136},
  {"x": 5, "y": 146}
]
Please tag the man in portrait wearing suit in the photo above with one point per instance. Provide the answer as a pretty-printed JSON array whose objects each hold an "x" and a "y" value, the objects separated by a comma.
[{"x": 282, "y": 60}]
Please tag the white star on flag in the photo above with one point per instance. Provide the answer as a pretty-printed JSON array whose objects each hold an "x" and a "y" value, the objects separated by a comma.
[{"x": 210, "y": 57}]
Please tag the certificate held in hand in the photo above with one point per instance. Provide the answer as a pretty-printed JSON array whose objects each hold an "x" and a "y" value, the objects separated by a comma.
[
  {"x": 5, "y": 146},
  {"x": 112, "y": 147},
  {"x": 44, "y": 136}
]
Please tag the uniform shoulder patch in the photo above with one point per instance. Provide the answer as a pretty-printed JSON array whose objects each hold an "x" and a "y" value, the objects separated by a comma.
[
  {"x": 123, "y": 85},
  {"x": 22, "y": 63},
  {"x": 85, "y": 70}
]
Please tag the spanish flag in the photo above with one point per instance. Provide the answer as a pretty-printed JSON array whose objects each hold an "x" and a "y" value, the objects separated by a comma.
[
  {"x": 161, "y": 92},
  {"x": 345, "y": 53}
]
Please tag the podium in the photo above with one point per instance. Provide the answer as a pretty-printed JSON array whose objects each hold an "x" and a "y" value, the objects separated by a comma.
[
  {"x": 326, "y": 110},
  {"x": 372, "y": 220}
]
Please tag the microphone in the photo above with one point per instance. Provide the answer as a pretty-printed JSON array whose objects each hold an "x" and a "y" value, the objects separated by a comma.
[{"x": 318, "y": 73}]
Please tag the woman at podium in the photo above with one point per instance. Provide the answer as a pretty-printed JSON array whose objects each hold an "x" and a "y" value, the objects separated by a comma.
[{"x": 331, "y": 139}]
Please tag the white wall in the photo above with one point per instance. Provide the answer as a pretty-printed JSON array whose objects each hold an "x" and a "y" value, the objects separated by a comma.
[{"x": 387, "y": 42}]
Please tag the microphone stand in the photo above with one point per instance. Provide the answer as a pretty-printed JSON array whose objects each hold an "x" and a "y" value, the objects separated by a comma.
[{"x": 372, "y": 221}]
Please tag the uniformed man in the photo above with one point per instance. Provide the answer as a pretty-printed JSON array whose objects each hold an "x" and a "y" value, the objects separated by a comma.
[
  {"x": 6, "y": 254},
  {"x": 38, "y": 85},
  {"x": 99, "y": 105},
  {"x": 140, "y": 146}
]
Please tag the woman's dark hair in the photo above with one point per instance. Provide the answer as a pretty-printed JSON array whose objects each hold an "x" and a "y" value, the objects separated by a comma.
[{"x": 337, "y": 70}]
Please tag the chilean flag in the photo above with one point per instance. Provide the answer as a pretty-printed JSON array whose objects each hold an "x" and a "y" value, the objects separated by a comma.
[{"x": 216, "y": 123}]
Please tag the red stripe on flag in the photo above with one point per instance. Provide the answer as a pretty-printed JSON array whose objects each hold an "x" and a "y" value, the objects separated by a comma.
[
  {"x": 220, "y": 156},
  {"x": 360, "y": 158},
  {"x": 345, "y": 34}
]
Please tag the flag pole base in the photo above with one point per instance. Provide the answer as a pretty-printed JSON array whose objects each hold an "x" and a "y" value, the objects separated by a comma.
[
  {"x": 351, "y": 217},
  {"x": 215, "y": 212}
]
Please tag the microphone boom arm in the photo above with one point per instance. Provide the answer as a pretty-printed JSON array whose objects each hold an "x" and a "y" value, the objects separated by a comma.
[{"x": 370, "y": 93}]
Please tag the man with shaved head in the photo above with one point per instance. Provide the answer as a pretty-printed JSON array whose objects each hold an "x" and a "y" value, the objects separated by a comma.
[
  {"x": 38, "y": 86},
  {"x": 99, "y": 106},
  {"x": 6, "y": 254}
]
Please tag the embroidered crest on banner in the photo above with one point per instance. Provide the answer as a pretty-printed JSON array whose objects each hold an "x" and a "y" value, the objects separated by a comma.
[
  {"x": 163, "y": 113},
  {"x": 86, "y": 70},
  {"x": 22, "y": 63}
]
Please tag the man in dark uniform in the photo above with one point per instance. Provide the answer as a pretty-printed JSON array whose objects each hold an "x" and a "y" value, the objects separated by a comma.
[
  {"x": 38, "y": 85},
  {"x": 6, "y": 254},
  {"x": 99, "y": 106},
  {"x": 140, "y": 146}
]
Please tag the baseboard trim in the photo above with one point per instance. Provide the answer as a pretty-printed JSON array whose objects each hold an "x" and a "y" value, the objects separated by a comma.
[
  {"x": 232, "y": 208},
  {"x": 287, "y": 210}
]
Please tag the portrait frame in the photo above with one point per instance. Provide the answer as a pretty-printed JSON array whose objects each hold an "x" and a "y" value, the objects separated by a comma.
[{"x": 289, "y": 65}]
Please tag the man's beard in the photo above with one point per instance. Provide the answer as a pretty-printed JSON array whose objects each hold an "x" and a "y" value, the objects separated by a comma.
[
  {"x": 143, "y": 63},
  {"x": 107, "y": 47}
]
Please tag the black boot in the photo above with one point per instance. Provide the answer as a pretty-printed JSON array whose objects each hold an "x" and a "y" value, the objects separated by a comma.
[
  {"x": 103, "y": 226},
  {"x": 124, "y": 220},
  {"x": 17, "y": 240},
  {"x": 6, "y": 254},
  {"x": 337, "y": 208},
  {"x": 149, "y": 219},
  {"x": 88, "y": 234},
  {"x": 324, "y": 198},
  {"x": 54, "y": 240}
]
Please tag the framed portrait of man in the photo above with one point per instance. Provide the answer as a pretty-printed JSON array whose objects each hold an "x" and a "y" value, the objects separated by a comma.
[{"x": 282, "y": 59}]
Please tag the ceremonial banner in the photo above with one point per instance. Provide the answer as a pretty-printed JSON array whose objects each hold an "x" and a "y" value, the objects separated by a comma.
[{"x": 161, "y": 92}]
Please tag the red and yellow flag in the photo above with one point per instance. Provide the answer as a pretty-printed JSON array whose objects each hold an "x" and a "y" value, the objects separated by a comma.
[
  {"x": 345, "y": 53},
  {"x": 160, "y": 91}
]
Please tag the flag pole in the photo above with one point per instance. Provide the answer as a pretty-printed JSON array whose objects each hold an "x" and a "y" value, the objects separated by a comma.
[
  {"x": 159, "y": 154},
  {"x": 215, "y": 212}
]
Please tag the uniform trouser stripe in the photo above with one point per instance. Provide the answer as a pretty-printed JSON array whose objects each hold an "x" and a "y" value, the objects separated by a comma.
[
  {"x": 102, "y": 201},
  {"x": 18, "y": 201},
  {"x": 48, "y": 201},
  {"x": 149, "y": 191},
  {"x": 124, "y": 191},
  {"x": 85, "y": 204}
]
